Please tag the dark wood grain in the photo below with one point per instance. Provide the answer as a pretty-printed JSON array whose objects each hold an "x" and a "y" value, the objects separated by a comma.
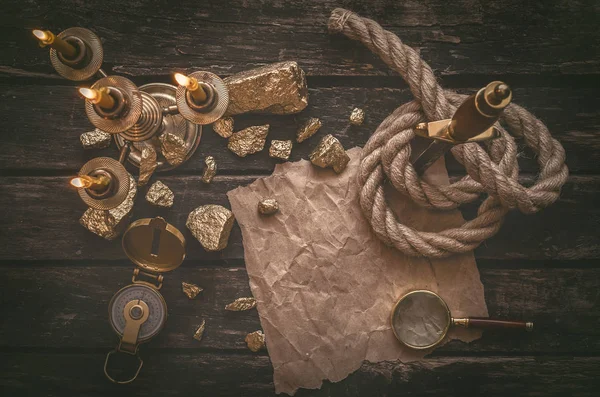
[
  {"x": 44, "y": 213},
  {"x": 30, "y": 136},
  {"x": 156, "y": 38},
  {"x": 67, "y": 306},
  {"x": 247, "y": 375}
]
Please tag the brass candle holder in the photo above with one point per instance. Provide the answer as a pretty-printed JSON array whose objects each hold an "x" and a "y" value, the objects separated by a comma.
[
  {"x": 136, "y": 115},
  {"x": 102, "y": 183}
]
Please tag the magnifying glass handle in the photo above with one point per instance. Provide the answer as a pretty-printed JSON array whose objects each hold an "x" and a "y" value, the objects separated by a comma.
[{"x": 488, "y": 323}]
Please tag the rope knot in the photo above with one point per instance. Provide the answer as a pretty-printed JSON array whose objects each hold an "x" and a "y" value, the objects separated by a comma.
[{"x": 495, "y": 172}]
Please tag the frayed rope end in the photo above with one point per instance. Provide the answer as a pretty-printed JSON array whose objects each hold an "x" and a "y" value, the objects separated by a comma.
[{"x": 338, "y": 19}]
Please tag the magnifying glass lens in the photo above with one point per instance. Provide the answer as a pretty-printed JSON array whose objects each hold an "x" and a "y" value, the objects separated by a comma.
[{"x": 421, "y": 319}]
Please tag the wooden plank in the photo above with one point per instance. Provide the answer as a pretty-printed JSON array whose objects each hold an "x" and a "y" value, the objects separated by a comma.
[
  {"x": 66, "y": 306},
  {"x": 68, "y": 374},
  {"x": 41, "y": 222},
  {"x": 49, "y": 129},
  {"x": 461, "y": 37}
]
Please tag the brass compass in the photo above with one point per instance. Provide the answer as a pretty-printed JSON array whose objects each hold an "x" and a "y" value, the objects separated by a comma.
[{"x": 138, "y": 311}]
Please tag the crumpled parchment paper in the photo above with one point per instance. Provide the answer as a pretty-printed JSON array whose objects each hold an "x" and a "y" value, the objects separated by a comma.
[{"x": 325, "y": 285}]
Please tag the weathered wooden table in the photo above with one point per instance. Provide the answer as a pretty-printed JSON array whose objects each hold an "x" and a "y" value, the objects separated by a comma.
[{"x": 57, "y": 278}]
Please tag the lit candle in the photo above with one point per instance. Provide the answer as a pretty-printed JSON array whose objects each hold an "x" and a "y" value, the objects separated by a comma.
[
  {"x": 191, "y": 84},
  {"x": 99, "y": 97},
  {"x": 90, "y": 182},
  {"x": 46, "y": 37}
]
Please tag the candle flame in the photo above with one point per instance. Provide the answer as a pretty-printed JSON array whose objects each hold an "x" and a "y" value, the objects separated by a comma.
[
  {"x": 182, "y": 79},
  {"x": 80, "y": 182},
  {"x": 88, "y": 93},
  {"x": 40, "y": 34}
]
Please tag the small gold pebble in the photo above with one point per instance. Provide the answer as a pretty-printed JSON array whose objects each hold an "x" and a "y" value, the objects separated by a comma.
[
  {"x": 357, "y": 116},
  {"x": 200, "y": 331},
  {"x": 96, "y": 139},
  {"x": 210, "y": 170},
  {"x": 268, "y": 206},
  {"x": 308, "y": 129},
  {"x": 280, "y": 149},
  {"x": 330, "y": 153},
  {"x": 249, "y": 140},
  {"x": 255, "y": 341},
  {"x": 160, "y": 195},
  {"x": 147, "y": 164},
  {"x": 224, "y": 127},
  {"x": 241, "y": 304},
  {"x": 191, "y": 290}
]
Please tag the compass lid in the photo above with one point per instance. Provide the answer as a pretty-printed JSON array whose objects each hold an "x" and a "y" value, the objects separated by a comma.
[{"x": 154, "y": 245}]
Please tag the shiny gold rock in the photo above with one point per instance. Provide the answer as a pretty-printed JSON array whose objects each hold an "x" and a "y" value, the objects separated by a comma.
[
  {"x": 308, "y": 129},
  {"x": 224, "y": 127},
  {"x": 147, "y": 164},
  {"x": 96, "y": 139},
  {"x": 160, "y": 195},
  {"x": 357, "y": 116},
  {"x": 200, "y": 331},
  {"x": 280, "y": 149},
  {"x": 241, "y": 304},
  {"x": 191, "y": 290},
  {"x": 255, "y": 341},
  {"x": 210, "y": 170},
  {"x": 211, "y": 225},
  {"x": 268, "y": 206},
  {"x": 330, "y": 153},
  {"x": 249, "y": 140},
  {"x": 173, "y": 148},
  {"x": 279, "y": 88},
  {"x": 110, "y": 224}
]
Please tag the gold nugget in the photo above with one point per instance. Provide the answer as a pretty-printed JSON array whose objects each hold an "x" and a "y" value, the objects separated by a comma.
[
  {"x": 268, "y": 206},
  {"x": 255, "y": 341},
  {"x": 308, "y": 129},
  {"x": 211, "y": 225},
  {"x": 330, "y": 153},
  {"x": 280, "y": 149},
  {"x": 279, "y": 88},
  {"x": 241, "y": 304},
  {"x": 210, "y": 170},
  {"x": 147, "y": 164},
  {"x": 249, "y": 140},
  {"x": 224, "y": 127},
  {"x": 357, "y": 116},
  {"x": 110, "y": 224},
  {"x": 191, "y": 290},
  {"x": 173, "y": 148},
  {"x": 96, "y": 139},
  {"x": 160, "y": 195},
  {"x": 200, "y": 331}
]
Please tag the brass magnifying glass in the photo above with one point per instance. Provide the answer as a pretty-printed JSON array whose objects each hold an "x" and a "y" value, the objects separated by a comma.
[{"x": 421, "y": 319}]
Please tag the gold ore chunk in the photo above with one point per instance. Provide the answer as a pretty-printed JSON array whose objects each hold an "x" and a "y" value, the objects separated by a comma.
[
  {"x": 200, "y": 331},
  {"x": 224, "y": 127},
  {"x": 280, "y": 149},
  {"x": 330, "y": 153},
  {"x": 357, "y": 116},
  {"x": 308, "y": 129},
  {"x": 160, "y": 195},
  {"x": 191, "y": 290},
  {"x": 211, "y": 225},
  {"x": 173, "y": 148},
  {"x": 249, "y": 140},
  {"x": 241, "y": 304},
  {"x": 147, "y": 164},
  {"x": 255, "y": 341},
  {"x": 210, "y": 170},
  {"x": 96, "y": 139},
  {"x": 109, "y": 224},
  {"x": 279, "y": 88},
  {"x": 268, "y": 206}
]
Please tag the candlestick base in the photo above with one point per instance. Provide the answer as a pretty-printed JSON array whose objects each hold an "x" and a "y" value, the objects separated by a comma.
[
  {"x": 165, "y": 95},
  {"x": 116, "y": 192}
]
